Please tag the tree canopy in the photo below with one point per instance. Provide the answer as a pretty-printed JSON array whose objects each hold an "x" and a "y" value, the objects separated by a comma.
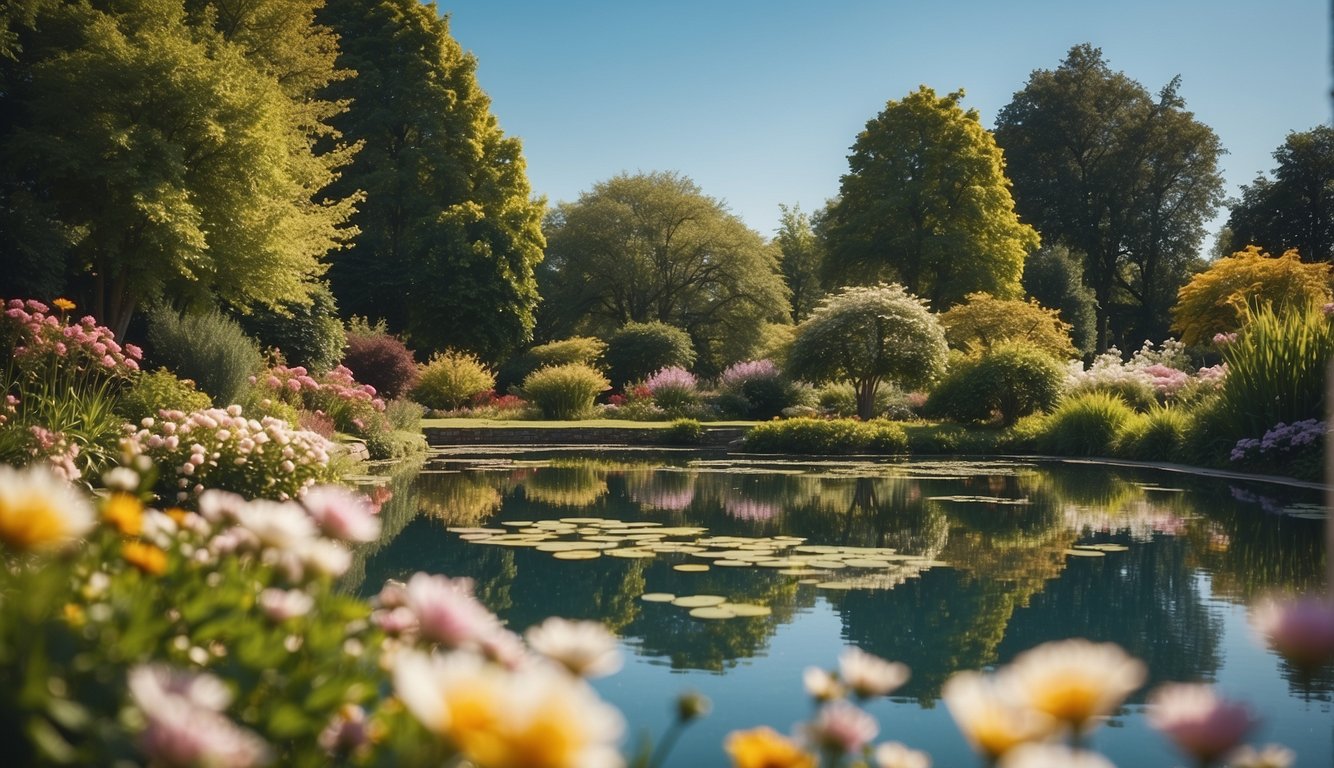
[
  {"x": 450, "y": 236},
  {"x": 1219, "y": 299},
  {"x": 1117, "y": 175},
  {"x": 1295, "y": 209},
  {"x": 982, "y": 322},
  {"x": 146, "y": 151},
  {"x": 1054, "y": 277},
  {"x": 653, "y": 247},
  {"x": 868, "y": 334},
  {"x": 801, "y": 255},
  {"x": 926, "y": 203}
]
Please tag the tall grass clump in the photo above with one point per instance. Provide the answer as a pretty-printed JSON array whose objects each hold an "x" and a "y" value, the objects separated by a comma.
[
  {"x": 1159, "y": 435},
  {"x": 565, "y": 391},
  {"x": 1275, "y": 372},
  {"x": 208, "y": 348},
  {"x": 451, "y": 380},
  {"x": 1085, "y": 425},
  {"x": 827, "y": 436}
]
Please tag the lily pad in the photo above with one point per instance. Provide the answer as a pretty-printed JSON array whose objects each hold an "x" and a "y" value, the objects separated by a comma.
[
  {"x": 691, "y": 568},
  {"x": 698, "y": 601},
  {"x": 1084, "y": 553},
  {"x": 747, "y": 609},
  {"x": 657, "y": 597},
  {"x": 712, "y": 612},
  {"x": 577, "y": 554}
]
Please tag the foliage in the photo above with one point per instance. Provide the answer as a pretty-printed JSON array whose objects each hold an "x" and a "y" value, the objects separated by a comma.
[
  {"x": 1084, "y": 425},
  {"x": 59, "y": 381},
  {"x": 449, "y": 227},
  {"x": 675, "y": 390},
  {"x": 840, "y": 399},
  {"x": 636, "y": 350},
  {"x": 1011, "y": 380},
  {"x": 1275, "y": 372},
  {"x": 565, "y": 391},
  {"x": 1123, "y": 178},
  {"x": 1161, "y": 434},
  {"x": 159, "y": 390},
  {"x": 684, "y": 432},
  {"x": 576, "y": 349},
  {"x": 451, "y": 380},
  {"x": 822, "y": 436},
  {"x": 310, "y": 336},
  {"x": 381, "y": 360},
  {"x": 926, "y": 203},
  {"x": 756, "y": 389},
  {"x": 149, "y": 154},
  {"x": 209, "y": 349},
  {"x": 800, "y": 261},
  {"x": 1054, "y": 277},
  {"x": 653, "y": 247},
  {"x": 404, "y": 415},
  {"x": 982, "y": 322},
  {"x": 1218, "y": 300},
  {"x": 222, "y": 449},
  {"x": 1292, "y": 211},
  {"x": 866, "y": 335}
]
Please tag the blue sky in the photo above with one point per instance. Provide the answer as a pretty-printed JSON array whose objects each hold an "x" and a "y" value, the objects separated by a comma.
[{"x": 758, "y": 101}]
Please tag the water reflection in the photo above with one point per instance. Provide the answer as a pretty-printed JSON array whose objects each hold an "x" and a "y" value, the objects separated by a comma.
[{"x": 982, "y": 564}]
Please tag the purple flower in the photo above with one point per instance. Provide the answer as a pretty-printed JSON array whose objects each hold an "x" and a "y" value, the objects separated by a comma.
[
  {"x": 673, "y": 378},
  {"x": 739, "y": 373}
]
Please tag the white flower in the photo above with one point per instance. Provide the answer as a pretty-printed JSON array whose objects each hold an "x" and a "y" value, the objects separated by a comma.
[
  {"x": 585, "y": 648},
  {"x": 821, "y": 685},
  {"x": 341, "y": 513},
  {"x": 988, "y": 715},
  {"x": 1075, "y": 680},
  {"x": 868, "y": 675},
  {"x": 1272, "y": 756},
  {"x": 281, "y": 526},
  {"x": 1052, "y": 756},
  {"x": 39, "y": 510},
  {"x": 893, "y": 754}
]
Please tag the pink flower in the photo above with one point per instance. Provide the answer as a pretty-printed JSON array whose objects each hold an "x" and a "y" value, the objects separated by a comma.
[
  {"x": 842, "y": 727},
  {"x": 185, "y": 726},
  {"x": 447, "y": 612},
  {"x": 1198, "y": 721},
  {"x": 341, "y": 513},
  {"x": 282, "y": 604},
  {"x": 1301, "y": 630}
]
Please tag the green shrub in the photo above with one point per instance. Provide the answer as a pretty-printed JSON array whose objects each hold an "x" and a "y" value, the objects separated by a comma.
[
  {"x": 404, "y": 414},
  {"x": 576, "y": 349},
  {"x": 309, "y": 336},
  {"x": 451, "y": 380},
  {"x": 564, "y": 391},
  {"x": 157, "y": 391},
  {"x": 637, "y": 350},
  {"x": 1085, "y": 425},
  {"x": 840, "y": 399},
  {"x": 1009, "y": 380},
  {"x": 821, "y": 436},
  {"x": 209, "y": 348},
  {"x": 1159, "y": 435},
  {"x": 684, "y": 432},
  {"x": 395, "y": 444}
]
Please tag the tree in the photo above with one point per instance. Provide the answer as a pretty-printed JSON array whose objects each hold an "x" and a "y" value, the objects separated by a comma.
[
  {"x": 1294, "y": 210},
  {"x": 450, "y": 235},
  {"x": 800, "y": 260},
  {"x": 982, "y": 322},
  {"x": 145, "y": 156},
  {"x": 1125, "y": 179},
  {"x": 866, "y": 335},
  {"x": 1054, "y": 277},
  {"x": 925, "y": 202},
  {"x": 652, "y": 247},
  {"x": 1219, "y": 299}
]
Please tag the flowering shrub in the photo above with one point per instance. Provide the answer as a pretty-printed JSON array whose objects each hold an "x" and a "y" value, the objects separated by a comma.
[
  {"x": 335, "y": 396},
  {"x": 1280, "y": 439},
  {"x": 757, "y": 389},
  {"x": 674, "y": 389},
  {"x": 60, "y": 381},
  {"x": 1152, "y": 375},
  {"x": 222, "y": 449}
]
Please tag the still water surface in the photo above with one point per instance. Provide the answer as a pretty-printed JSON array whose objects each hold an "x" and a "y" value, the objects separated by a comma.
[{"x": 945, "y": 566}]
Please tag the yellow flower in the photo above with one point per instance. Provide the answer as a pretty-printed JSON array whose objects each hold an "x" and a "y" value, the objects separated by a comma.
[
  {"x": 38, "y": 510},
  {"x": 73, "y": 615},
  {"x": 145, "y": 557},
  {"x": 125, "y": 512},
  {"x": 1075, "y": 680},
  {"x": 63, "y": 304},
  {"x": 766, "y": 748},
  {"x": 990, "y": 718}
]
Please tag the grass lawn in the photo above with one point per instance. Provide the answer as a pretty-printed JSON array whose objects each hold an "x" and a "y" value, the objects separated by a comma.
[{"x": 461, "y": 423}]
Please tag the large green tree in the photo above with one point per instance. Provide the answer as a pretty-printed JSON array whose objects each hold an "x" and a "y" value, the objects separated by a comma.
[
  {"x": 1122, "y": 177},
  {"x": 926, "y": 203},
  {"x": 450, "y": 234},
  {"x": 1295, "y": 209},
  {"x": 652, "y": 246},
  {"x": 801, "y": 255},
  {"x": 147, "y": 153}
]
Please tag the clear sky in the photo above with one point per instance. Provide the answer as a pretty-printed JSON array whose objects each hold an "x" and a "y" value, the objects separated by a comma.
[{"x": 758, "y": 101}]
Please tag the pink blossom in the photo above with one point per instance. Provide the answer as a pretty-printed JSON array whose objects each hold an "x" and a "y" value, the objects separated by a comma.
[
  {"x": 448, "y": 613},
  {"x": 1300, "y": 630},
  {"x": 1198, "y": 721},
  {"x": 185, "y": 726},
  {"x": 341, "y": 513},
  {"x": 282, "y": 604},
  {"x": 843, "y": 727}
]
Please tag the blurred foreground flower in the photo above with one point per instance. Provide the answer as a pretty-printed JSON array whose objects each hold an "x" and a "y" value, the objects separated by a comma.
[
  {"x": 1272, "y": 756},
  {"x": 867, "y": 675},
  {"x": 585, "y": 648},
  {"x": 892, "y": 754},
  {"x": 185, "y": 726},
  {"x": 500, "y": 719},
  {"x": 341, "y": 513},
  {"x": 1198, "y": 721},
  {"x": 841, "y": 728},
  {"x": 40, "y": 511},
  {"x": 992, "y": 720},
  {"x": 1301, "y": 630},
  {"x": 1075, "y": 681},
  {"x": 1053, "y": 756},
  {"x": 766, "y": 748}
]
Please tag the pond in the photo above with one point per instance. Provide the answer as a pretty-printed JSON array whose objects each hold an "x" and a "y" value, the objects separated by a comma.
[{"x": 943, "y": 565}]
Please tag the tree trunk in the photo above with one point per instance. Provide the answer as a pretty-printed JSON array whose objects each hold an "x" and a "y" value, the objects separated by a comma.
[{"x": 866, "y": 398}]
